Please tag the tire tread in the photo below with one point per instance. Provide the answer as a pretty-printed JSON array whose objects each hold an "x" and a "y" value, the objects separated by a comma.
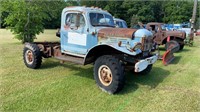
[
  {"x": 118, "y": 70},
  {"x": 37, "y": 55}
]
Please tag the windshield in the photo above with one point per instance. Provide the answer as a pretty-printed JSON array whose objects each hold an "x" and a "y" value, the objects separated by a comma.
[
  {"x": 125, "y": 25},
  {"x": 163, "y": 27},
  {"x": 119, "y": 24},
  {"x": 98, "y": 19}
]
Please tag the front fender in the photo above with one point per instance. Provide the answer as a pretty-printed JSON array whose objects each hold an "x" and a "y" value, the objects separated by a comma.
[
  {"x": 107, "y": 49},
  {"x": 181, "y": 35}
]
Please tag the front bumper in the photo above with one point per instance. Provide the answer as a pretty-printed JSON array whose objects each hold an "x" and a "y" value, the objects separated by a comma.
[{"x": 142, "y": 64}]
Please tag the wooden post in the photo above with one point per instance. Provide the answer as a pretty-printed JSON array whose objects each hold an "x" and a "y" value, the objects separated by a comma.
[{"x": 192, "y": 20}]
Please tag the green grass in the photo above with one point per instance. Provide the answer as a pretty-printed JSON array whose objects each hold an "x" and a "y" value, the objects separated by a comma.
[{"x": 71, "y": 87}]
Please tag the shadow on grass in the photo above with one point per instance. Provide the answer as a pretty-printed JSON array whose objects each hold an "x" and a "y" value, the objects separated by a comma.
[
  {"x": 183, "y": 50},
  {"x": 176, "y": 60},
  {"x": 81, "y": 70},
  {"x": 49, "y": 64},
  {"x": 155, "y": 77}
]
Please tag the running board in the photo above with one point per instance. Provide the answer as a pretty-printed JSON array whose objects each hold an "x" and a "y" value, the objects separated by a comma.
[{"x": 73, "y": 59}]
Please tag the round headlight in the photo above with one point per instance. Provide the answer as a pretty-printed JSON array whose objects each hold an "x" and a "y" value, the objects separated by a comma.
[{"x": 134, "y": 46}]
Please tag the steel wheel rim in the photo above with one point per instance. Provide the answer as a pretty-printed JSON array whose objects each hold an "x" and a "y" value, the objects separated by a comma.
[
  {"x": 105, "y": 75},
  {"x": 29, "y": 57}
]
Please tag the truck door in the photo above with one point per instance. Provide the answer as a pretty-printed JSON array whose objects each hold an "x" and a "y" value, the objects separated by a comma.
[
  {"x": 158, "y": 35},
  {"x": 74, "y": 35},
  {"x": 161, "y": 33}
]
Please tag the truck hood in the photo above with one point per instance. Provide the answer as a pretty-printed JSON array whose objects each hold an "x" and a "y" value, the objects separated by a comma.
[{"x": 116, "y": 32}]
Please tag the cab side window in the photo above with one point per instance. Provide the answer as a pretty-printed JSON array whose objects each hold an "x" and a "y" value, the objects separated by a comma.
[
  {"x": 75, "y": 21},
  {"x": 70, "y": 19},
  {"x": 154, "y": 28}
]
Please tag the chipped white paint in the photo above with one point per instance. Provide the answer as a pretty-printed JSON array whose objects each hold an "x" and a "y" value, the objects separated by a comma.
[
  {"x": 141, "y": 65},
  {"x": 76, "y": 38},
  {"x": 152, "y": 60}
]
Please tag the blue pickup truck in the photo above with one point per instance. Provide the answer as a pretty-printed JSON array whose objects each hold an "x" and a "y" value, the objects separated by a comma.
[{"x": 88, "y": 36}]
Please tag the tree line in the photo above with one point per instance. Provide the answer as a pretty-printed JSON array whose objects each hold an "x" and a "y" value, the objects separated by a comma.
[
  {"x": 168, "y": 11},
  {"x": 47, "y": 14}
]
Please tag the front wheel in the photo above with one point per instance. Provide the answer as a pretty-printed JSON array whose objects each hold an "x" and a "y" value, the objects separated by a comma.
[{"x": 109, "y": 74}]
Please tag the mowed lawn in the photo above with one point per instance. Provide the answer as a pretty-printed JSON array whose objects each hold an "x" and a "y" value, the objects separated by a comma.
[{"x": 71, "y": 87}]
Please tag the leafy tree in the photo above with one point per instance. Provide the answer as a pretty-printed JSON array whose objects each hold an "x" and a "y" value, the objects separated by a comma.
[
  {"x": 26, "y": 18},
  {"x": 142, "y": 9},
  {"x": 177, "y": 11},
  {"x": 90, "y": 3},
  {"x": 134, "y": 21},
  {"x": 56, "y": 9},
  {"x": 46, "y": 14},
  {"x": 3, "y": 15},
  {"x": 157, "y": 10},
  {"x": 115, "y": 8}
]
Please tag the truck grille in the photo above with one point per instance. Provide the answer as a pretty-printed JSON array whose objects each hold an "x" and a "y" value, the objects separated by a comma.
[{"x": 147, "y": 44}]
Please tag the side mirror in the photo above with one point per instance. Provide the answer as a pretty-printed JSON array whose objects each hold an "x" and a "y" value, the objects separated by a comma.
[{"x": 58, "y": 33}]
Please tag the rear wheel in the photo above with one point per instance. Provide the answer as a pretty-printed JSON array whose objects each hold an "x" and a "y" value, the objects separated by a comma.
[
  {"x": 171, "y": 44},
  {"x": 180, "y": 42},
  {"x": 181, "y": 47},
  {"x": 32, "y": 56},
  {"x": 109, "y": 74}
]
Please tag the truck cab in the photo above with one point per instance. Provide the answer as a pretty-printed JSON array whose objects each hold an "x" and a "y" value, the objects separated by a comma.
[{"x": 79, "y": 27}]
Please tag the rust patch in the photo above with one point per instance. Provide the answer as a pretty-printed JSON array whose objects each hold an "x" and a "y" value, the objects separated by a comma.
[
  {"x": 147, "y": 44},
  {"x": 48, "y": 49},
  {"x": 116, "y": 32},
  {"x": 57, "y": 51}
]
